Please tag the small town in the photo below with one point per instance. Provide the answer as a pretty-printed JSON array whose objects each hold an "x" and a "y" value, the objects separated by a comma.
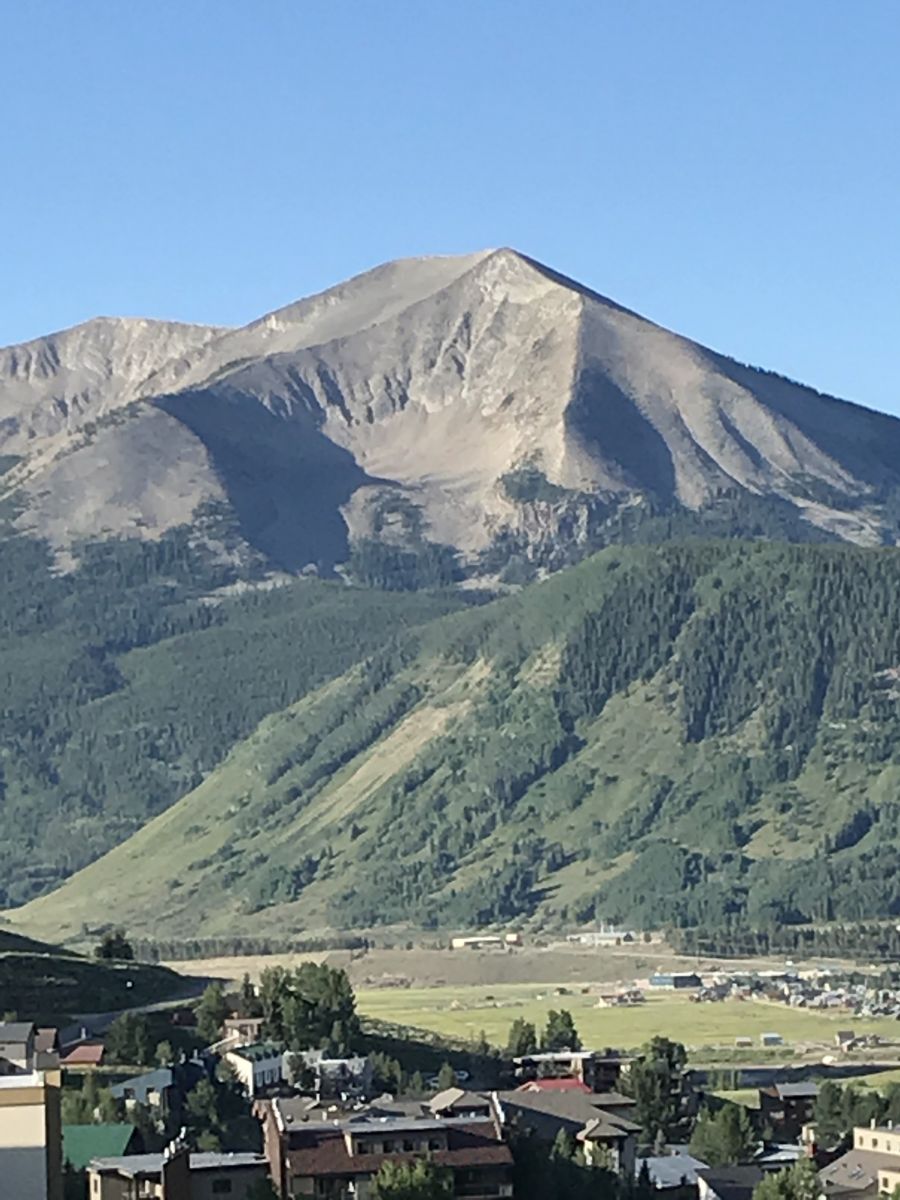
[{"x": 274, "y": 1088}]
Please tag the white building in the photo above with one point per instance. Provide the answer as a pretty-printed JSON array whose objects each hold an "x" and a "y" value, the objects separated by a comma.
[{"x": 257, "y": 1067}]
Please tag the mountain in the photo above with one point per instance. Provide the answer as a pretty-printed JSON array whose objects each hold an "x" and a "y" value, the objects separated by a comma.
[
  {"x": 684, "y": 733},
  {"x": 479, "y": 415}
]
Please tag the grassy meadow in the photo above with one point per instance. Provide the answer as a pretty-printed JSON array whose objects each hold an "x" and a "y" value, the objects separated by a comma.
[{"x": 463, "y": 1012}]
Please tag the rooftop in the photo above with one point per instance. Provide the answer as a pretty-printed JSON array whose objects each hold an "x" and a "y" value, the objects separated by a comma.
[
  {"x": 258, "y": 1051},
  {"x": 135, "y": 1165},
  {"x": 323, "y": 1151},
  {"x": 15, "y": 1031},
  {"x": 670, "y": 1170},
  {"x": 34, "y": 1079},
  {"x": 81, "y": 1143}
]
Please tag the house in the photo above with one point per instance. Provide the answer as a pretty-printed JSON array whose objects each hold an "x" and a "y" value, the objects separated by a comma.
[
  {"x": 600, "y": 1072},
  {"x": 728, "y": 1183},
  {"x": 339, "y": 1076},
  {"x": 771, "y": 1039},
  {"x": 844, "y": 1039},
  {"x": 787, "y": 1107},
  {"x": 30, "y": 1137},
  {"x": 17, "y": 1046},
  {"x": 778, "y": 1156},
  {"x": 175, "y": 1174},
  {"x": 257, "y": 1067},
  {"x": 153, "y": 1089},
  {"x": 871, "y": 1167},
  {"x": 81, "y": 1143},
  {"x": 673, "y": 1174},
  {"x": 554, "y": 1085},
  {"x": 675, "y": 981},
  {"x": 83, "y": 1054},
  {"x": 603, "y": 937},
  {"x": 457, "y": 1102},
  {"x": 606, "y": 1134},
  {"x": 341, "y": 1156},
  {"x": 243, "y": 1030}
]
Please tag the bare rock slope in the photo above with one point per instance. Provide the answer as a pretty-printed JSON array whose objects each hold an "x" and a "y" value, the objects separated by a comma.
[{"x": 480, "y": 402}]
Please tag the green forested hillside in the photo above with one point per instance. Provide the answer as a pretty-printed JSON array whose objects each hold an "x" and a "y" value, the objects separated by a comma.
[
  {"x": 685, "y": 733},
  {"x": 124, "y": 681}
]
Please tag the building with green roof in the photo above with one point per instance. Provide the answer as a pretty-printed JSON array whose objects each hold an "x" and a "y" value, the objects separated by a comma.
[{"x": 81, "y": 1143}]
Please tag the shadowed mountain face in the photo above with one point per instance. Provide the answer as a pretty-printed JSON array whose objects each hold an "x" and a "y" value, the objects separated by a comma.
[{"x": 408, "y": 405}]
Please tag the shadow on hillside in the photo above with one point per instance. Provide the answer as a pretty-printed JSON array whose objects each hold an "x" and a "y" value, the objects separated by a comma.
[{"x": 285, "y": 479}]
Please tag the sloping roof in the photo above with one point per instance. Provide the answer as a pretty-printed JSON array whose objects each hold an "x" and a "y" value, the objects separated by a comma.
[
  {"x": 856, "y": 1171},
  {"x": 670, "y": 1170},
  {"x": 554, "y": 1085},
  {"x": 796, "y": 1091},
  {"x": 15, "y": 1031},
  {"x": 150, "y": 1165},
  {"x": 88, "y": 1054},
  {"x": 732, "y": 1183},
  {"x": 572, "y": 1108},
  {"x": 140, "y": 1085},
  {"x": 81, "y": 1143},
  {"x": 457, "y": 1097}
]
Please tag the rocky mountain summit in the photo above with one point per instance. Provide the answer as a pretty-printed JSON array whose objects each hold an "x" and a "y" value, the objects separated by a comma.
[{"x": 480, "y": 411}]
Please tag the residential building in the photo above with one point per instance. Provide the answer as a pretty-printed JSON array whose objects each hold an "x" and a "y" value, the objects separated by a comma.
[
  {"x": 335, "y": 1077},
  {"x": 244, "y": 1031},
  {"x": 162, "y": 1090},
  {"x": 339, "y": 1157},
  {"x": 30, "y": 1134},
  {"x": 787, "y": 1107},
  {"x": 16, "y": 1046},
  {"x": 458, "y": 1102},
  {"x": 675, "y": 981},
  {"x": 871, "y": 1168},
  {"x": 257, "y": 1067},
  {"x": 673, "y": 1174},
  {"x": 728, "y": 1183},
  {"x": 175, "y": 1174},
  {"x": 606, "y": 1135},
  {"x": 84, "y": 1054},
  {"x": 600, "y": 1071}
]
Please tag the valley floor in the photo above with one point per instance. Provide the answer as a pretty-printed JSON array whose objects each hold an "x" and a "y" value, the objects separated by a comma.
[{"x": 462, "y": 994}]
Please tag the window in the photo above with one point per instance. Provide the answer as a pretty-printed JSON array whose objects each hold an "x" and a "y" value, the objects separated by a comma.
[
  {"x": 388, "y": 1146},
  {"x": 408, "y": 1145},
  {"x": 221, "y": 1187},
  {"x": 434, "y": 1144},
  {"x": 362, "y": 1147},
  {"x": 874, "y": 1143}
]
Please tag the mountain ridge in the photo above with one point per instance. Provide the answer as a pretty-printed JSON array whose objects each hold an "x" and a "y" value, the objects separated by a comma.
[{"x": 393, "y": 409}]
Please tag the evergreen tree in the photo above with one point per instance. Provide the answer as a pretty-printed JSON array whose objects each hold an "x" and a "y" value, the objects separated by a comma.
[
  {"x": 522, "y": 1039},
  {"x": 211, "y": 1011},
  {"x": 560, "y": 1032},
  {"x": 419, "y": 1180},
  {"x": 446, "y": 1077},
  {"x": 725, "y": 1137}
]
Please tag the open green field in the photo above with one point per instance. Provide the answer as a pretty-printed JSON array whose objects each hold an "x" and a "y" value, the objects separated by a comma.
[{"x": 465, "y": 1011}]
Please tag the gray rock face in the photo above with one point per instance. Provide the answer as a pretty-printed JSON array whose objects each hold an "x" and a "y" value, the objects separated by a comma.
[{"x": 452, "y": 400}]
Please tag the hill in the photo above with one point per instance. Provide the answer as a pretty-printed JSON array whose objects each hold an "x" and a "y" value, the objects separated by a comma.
[
  {"x": 125, "y": 681},
  {"x": 683, "y": 733},
  {"x": 39, "y": 981},
  {"x": 483, "y": 413}
]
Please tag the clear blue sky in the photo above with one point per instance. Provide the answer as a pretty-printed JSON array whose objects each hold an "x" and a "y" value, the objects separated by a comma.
[{"x": 730, "y": 168}]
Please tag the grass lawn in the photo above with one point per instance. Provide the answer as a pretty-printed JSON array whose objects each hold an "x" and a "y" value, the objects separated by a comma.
[{"x": 465, "y": 1011}]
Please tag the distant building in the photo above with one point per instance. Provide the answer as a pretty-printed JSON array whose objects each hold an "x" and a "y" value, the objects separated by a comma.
[
  {"x": 871, "y": 1168},
  {"x": 16, "y": 1046},
  {"x": 340, "y": 1156},
  {"x": 771, "y": 1039},
  {"x": 603, "y": 937},
  {"x": 334, "y": 1077},
  {"x": 485, "y": 941},
  {"x": 257, "y": 1067},
  {"x": 175, "y": 1175},
  {"x": 605, "y": 1134},
  {"x": 787, "y": 1107},
  {"x": 81, "y": 1143},
  {"x": 673, "y": 1174},
  {"x": 675, "y": 981},
  {"x": 600, "y": 1071},
  {"x": 728, "y": 1183}
]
